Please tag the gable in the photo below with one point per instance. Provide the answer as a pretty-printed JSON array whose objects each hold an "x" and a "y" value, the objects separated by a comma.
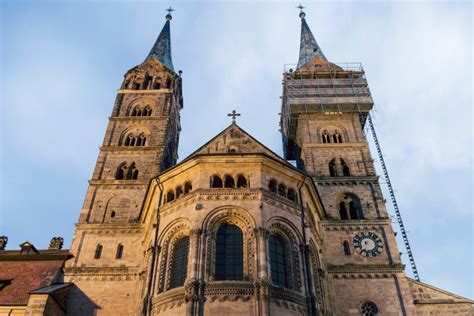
[{"x": 235, "y": 140}]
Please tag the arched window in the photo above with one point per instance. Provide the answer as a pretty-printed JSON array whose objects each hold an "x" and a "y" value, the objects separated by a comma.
[
  {"x": 146, "y": 111},
  {"x": 336, "y": 137},
  {"x": 130, "y": 140},
  {"x": 136, "y": 111},
  {"x": 121, "y": 173},
  {"x": 325, "y": 137},
  {"x": 369, "y": 309},
  {"x": 179, "y": 262},
  {"x": 141, "y": 140},
  {"x": 346, "y": 248},
  {"x": 291, "y": 194},
  {"x": 229, "y": 253},
  {"x": 119, "y": 253},
  {"x": 241, "y": 181},
  {"x": 216, "y": 182},
  {"x": 277, "y": 260},
  {"x": 332, "y": 168},
  {"x": 98, "y": 251},
  {"x": 157, "y": 85},
  {"x": 345, "y": 169},
  {"x": 179, "y": 192},
  {"x": 350, "y": 207},
  {"x": 272, "y": 186},
  {"x": 188, "y": 187},
  {"x": 282, "y": 190},
  {"x": 169, "y": 196},
  {"x": 229, "y": 182},
  {"x": 132, "y": 172},
  {"x": 343, "y": 211},
  {"x": 112, "y": 214}
]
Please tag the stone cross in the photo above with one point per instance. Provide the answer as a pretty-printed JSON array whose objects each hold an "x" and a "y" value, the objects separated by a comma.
[{"x": 234, "y": 115}]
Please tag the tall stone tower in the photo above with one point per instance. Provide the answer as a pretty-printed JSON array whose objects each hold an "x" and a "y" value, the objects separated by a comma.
[
  {"x": 324, "y": 111},
  {"x": 141, "y": 140}
]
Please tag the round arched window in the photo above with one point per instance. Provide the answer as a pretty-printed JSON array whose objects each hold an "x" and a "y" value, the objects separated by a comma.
[{"x": 369, "y": 309}]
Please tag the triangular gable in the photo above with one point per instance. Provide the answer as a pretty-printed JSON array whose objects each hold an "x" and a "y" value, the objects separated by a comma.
[
  {"x": 235, "y": 140},
  {"x": 424, "y": 293}
]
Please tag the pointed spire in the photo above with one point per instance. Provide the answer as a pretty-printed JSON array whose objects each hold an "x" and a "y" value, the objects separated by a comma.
[
  {"x": 161, "y": 51},
  {"x": 309, "y": 48}
]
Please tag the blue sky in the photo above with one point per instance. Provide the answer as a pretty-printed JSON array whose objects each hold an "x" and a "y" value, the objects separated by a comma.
[{"x": 62, "y": 61}]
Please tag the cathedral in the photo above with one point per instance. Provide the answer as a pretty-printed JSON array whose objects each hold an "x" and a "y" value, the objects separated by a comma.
[{"x": 235, "y": 228}]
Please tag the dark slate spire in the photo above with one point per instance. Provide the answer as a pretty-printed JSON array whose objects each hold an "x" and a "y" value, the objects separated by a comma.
[
  {"x": 161, "y": 51},
  {"x": 309, "y": 48}
]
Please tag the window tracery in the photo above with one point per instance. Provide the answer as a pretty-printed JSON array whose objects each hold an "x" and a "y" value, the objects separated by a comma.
[
  {"x": 332, "y": 135},
  {"x": 179, "y": 262},
  {"x": 277, "y": 260},
  {"x": 229, "y": 253},
  {"x": 125, "y": 172},
  {"x": 292, "y": 258},
  {"x": 350, "y": 207},
  {"x": 338, "y": 167},
  {"x": 369, "y": 309},
  {"x": 134, "y": 139}
]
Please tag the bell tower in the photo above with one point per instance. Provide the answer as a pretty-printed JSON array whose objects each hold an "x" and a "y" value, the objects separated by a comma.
[
  {"x": 325, "y": 107},
  {"x": 141, "y": 140}
]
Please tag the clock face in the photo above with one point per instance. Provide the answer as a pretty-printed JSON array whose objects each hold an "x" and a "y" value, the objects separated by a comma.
[{"x": 368, "y": 244}]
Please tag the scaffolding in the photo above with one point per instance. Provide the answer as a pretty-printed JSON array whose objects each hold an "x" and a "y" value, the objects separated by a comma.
[
  {"x": 338, "y": 88},
  {"x": 334, "y": 88},
  {"x": 394, "y": 201}
]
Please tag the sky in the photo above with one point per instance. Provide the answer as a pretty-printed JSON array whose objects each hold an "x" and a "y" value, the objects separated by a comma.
[{"x": 61, "y": 63}]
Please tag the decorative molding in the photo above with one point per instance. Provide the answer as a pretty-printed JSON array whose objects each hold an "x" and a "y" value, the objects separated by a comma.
[
  {"x": 168, "y": 300},
  {"x": 354, "y": 225},
  {"x": 102, "y": 274},
  {"x": 283, "y": 294},
  {"x": 111, "y": 228},
  {"x": 155, "y": 91},
  {"x": 229, "y": 291},
  {"x": 293, "y": 260},
  {"x": 235, "y": 216},
  {"x": 167, "y": 247},
  {"x": 354, "y": 271},
  {"x": 119, "y": 184},
  {"x": 130, "y": 149}
]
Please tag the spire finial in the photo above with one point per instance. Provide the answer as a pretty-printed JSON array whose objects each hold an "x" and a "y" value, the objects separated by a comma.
[
  {"x": 309, "y": 48},
  {"x": 234, "y": 115},
  {"x": 302, "y": 14},
  {"x": 161, "y": 50},
  {"x": 168, "y": 16}
]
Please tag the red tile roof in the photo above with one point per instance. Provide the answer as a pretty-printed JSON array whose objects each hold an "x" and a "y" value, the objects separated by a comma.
[{"x": 26, "y": 273}]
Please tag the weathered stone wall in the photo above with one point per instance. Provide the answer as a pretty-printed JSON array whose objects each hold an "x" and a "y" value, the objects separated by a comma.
[{"x": 112, "y": 285}]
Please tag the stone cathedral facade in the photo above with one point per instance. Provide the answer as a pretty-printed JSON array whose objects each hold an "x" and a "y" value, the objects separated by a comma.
[{"x": 234, "y": 228}]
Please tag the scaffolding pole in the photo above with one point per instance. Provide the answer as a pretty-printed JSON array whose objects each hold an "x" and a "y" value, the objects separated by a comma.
[{"x": 394, "y": 200}]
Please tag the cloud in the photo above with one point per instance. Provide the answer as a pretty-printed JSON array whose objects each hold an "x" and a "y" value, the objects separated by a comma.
[{"x": 62, "y": 63}]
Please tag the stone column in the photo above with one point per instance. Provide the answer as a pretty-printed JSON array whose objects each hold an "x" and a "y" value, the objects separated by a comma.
[
  {"x": 192, "y": 283},
  {"x": 202, "y": 270},
  {"x": 262, "y": 292}
]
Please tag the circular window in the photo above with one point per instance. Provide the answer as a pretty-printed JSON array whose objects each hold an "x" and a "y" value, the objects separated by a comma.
[{"x": 369, "y": 309}]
